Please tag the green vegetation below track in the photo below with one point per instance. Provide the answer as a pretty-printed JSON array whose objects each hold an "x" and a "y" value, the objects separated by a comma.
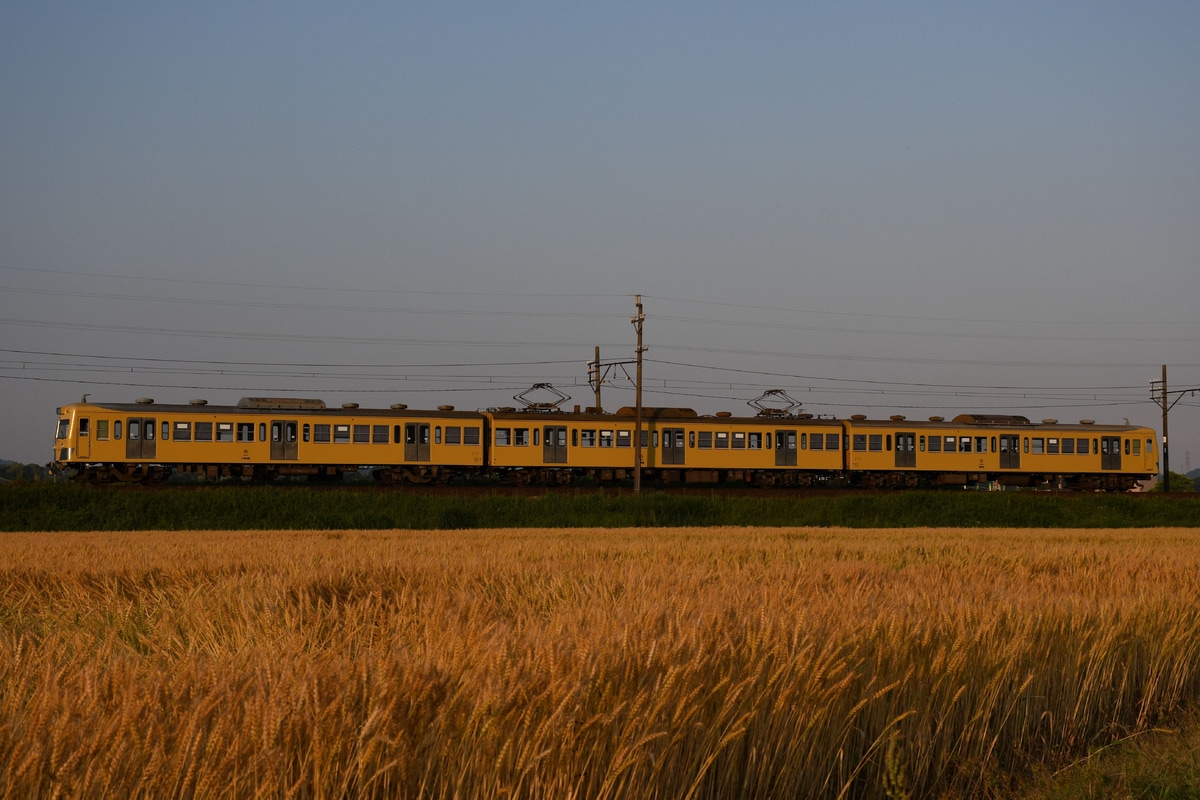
[{"x": 63, "y": 507}]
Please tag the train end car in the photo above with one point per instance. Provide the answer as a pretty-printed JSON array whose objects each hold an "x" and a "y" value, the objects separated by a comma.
[
  {"x": 999, "y": 450},
  {"x": 263, "y": 439}
]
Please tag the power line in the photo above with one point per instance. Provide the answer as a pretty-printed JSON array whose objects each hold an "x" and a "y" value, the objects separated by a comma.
[
  {"x": 295, "y": 365},
  {"x": 306, "y": 306},
  {"x": 282, "y": 337},
  {"x": 939, "y": 334},
  {"x": 816, "y": 311},
  {"x": 885, "y": 383},
  {"x": 949, "y": 362},
  {"x": 276, "y": 286}
]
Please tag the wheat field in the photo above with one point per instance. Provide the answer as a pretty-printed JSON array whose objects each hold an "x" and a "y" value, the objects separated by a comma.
[{"x": 650, "y": 663}]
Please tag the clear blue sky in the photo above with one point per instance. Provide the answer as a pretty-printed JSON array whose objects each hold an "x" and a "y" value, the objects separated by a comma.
[{"x": 916, "y": 208}]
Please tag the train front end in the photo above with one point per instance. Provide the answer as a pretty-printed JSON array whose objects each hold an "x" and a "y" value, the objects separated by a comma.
[{"x": 72, "y": 439}]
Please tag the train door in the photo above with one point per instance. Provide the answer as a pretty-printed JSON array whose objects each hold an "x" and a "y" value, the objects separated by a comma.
[
  {"x": 906, "y": 449},
  {"x": 1010, "y": 451},
  {"x": 554, "y": 446},
  {"x": 785, "y": 448},
  {"x": 673, "y": 446},
  {"x": 139, "y": 438},
  {"x": 83, "y": 442},
  {"x": 416, "y": 441},
  {"x": 283, "y": 440},
  {"x": 1110, "y": 452}
]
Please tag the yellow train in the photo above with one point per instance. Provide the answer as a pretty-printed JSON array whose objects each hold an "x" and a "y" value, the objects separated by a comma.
[
  {"x": 263, "y": 439},
  {"x": 266, "y": 438}
]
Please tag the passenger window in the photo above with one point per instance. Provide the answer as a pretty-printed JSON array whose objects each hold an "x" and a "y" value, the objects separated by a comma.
[
  {"x": 262, "y": 431},
  {"x": 117, "y": 429},
  {"x": 166, "y": 431}
]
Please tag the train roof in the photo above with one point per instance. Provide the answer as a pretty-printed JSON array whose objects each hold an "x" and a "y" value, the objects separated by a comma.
[
  {"x": 273, "y": 406},
  {"x": 989, "y": 422}
]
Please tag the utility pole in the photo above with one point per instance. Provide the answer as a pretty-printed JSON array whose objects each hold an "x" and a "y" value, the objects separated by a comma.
[
  {"x": 637, "y": 321},
  {"x": 1160, "y": 395},
  {"x": 1166, "y": 452},
  {"x": 598, "y": 372},
  {"x": 596, "y": 379}
]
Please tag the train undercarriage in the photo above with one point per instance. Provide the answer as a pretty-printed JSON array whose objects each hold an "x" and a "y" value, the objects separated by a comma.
[{"x": 155, "y": 473}]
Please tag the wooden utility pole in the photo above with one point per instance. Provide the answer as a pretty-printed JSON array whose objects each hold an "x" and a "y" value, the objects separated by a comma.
[
  {"x": 1161, "y": 396},
  {"x": 637, "y": 321},
  {"x": 1166, "y": 453}
]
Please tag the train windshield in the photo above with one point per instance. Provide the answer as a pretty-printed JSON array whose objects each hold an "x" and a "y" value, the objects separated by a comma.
[{"x": 64, "y": 426}]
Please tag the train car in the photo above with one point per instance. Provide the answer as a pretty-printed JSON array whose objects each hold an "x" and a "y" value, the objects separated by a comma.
[
  {"x": 264, "y": 438},
  {"x": 548, "y": 446},
  {"x": 678, "y": 446},
  {"x": 764, "y": 450},
  {"x": 998, "y": 449}
]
